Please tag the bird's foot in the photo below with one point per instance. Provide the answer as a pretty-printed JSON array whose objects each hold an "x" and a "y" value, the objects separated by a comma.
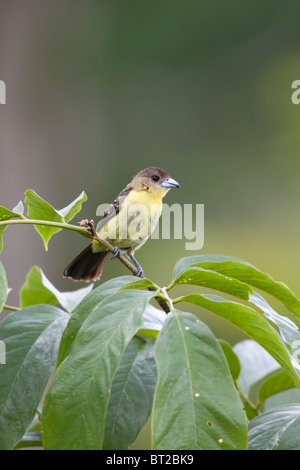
[
  {"x": 116, "y": 253},
  {"x": 140, "y": 273}
]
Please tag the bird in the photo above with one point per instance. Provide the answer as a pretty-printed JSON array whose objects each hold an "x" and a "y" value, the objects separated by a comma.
[{"x": 126, "y": 224}]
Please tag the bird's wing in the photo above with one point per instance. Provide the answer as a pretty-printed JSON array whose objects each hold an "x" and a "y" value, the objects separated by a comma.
[{"x": 114, "y": 208}]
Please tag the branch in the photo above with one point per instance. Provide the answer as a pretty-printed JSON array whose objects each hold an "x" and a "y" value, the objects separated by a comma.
[
  {"x": 92, "y": 231},
  {"x": 47, "y": 223},
  {"x": 89, "y": 232}
]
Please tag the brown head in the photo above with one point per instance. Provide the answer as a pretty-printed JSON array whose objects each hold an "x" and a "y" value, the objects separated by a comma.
[{"x": 153, "y": 179}]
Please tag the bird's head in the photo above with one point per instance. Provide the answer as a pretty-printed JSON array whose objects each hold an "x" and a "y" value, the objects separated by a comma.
[{"x": 154, "y": 179}]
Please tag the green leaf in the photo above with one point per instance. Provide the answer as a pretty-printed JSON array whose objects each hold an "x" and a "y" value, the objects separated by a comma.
[
  {"x": 189, "y": 261},
  {"x": 6, "y": 214},
  {"x": 253, "y": 324},
  {"x": 196, "y": 405},
  {"x": 3, "y": 287},
  {"x": 244, "y": 272},
  {"x": 139, "y": 283},
  {"x": 31, "y": 337},
  {"x": 76, "y": 403},
  {"x": 73, "y": 208},
  {"x": 232, "y": 359},
  {"x": 39, "y": 209},
  {"x": 203, "y": 277},
  {"x": 33, "y": 292},
  {"x": 131, "y": 397},
  {"x": 90, "y": 303},
  {"x": 256, "y": 363},
  {"x": 285, "y": 397},
  {"x": 276, "y": 429},
  {"x": 288, "y": 329},
  {"x": 275, "y": 384},
  {"x": 39, "y": 290}
]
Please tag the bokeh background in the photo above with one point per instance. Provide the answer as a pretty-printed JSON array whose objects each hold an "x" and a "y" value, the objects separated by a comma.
[{"x": 100, "y": 89}]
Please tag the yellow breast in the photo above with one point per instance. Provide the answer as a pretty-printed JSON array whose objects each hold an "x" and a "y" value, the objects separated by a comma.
[{"x": 136, "y": 220}]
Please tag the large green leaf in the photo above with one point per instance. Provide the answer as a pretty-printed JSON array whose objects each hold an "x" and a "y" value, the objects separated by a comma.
[
  {"x": 189, "y": 261},
  {"x": 253, "y": 324},
  {"x": 289, "y": 331},
  {"x": 3, "y": 287},
  {"x": 76, "y": 403},
  {"x": 196, "y": 405},
  {"x": 256, "y": 363},
  {"x": 90, "y": 303},
  {"x": 31, "y": 337},
  {"x": 39, "y": 209},
  {"x": 207, "y": 278},
  {"x": 131, "y": 395},
  {"x": 276, "y": 429},
  {"x": 241, "y": 270},
  {"x": 39, "y": 290}
]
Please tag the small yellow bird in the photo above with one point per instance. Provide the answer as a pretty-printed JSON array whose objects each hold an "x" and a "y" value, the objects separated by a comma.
[{"x": 127, "y": 224}]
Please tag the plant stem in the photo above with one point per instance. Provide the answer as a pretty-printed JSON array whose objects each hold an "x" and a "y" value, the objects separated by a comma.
[
  {"x": 10, "y": 307},
  {"x": 170, "y": 286},
  {"x": 246, "y": 399},
  {"x": 61, "y": 225},
  {"x": 178, "y": 299}
]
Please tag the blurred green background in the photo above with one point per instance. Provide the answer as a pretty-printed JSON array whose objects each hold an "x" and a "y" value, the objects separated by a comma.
[{"x": 98, "y": 90}]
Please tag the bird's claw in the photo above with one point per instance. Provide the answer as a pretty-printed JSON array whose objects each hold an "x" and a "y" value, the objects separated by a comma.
[
  {"x": 140, "y": 273},
  {"x": 116, "y": 253}
]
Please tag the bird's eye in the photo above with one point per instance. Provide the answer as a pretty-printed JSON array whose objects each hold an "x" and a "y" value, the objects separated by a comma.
[{"x": 155, "y": 178}]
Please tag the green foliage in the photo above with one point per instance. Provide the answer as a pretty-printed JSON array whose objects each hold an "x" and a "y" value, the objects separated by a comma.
[
  {"x": 3, "y": 287},
  {"x": 6, "y": 214},
  {"x": 39, "y": 290},
  {"x": 82, "y": 385},
  {"x": 131, "y": 397},
  {"x": 194, "y": 381},
  {"x": 276, "y": 429},
  {"x": 115, "y": 359},
  {"x": 31, "y": 337},
  {"x": 42, "y": 210}
]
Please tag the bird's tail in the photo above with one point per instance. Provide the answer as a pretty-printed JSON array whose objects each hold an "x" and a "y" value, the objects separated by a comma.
[{"x": 87, "y": 266}]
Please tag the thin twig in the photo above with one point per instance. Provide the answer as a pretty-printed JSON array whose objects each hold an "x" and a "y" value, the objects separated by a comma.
[{"x": 92, "y": 231}]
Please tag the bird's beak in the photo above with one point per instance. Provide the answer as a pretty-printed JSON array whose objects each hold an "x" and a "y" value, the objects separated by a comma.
[{"x": 170, "y": 183}]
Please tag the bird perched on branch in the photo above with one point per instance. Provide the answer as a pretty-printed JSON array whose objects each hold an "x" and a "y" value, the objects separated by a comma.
[{"x": 127, "y": 224}]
